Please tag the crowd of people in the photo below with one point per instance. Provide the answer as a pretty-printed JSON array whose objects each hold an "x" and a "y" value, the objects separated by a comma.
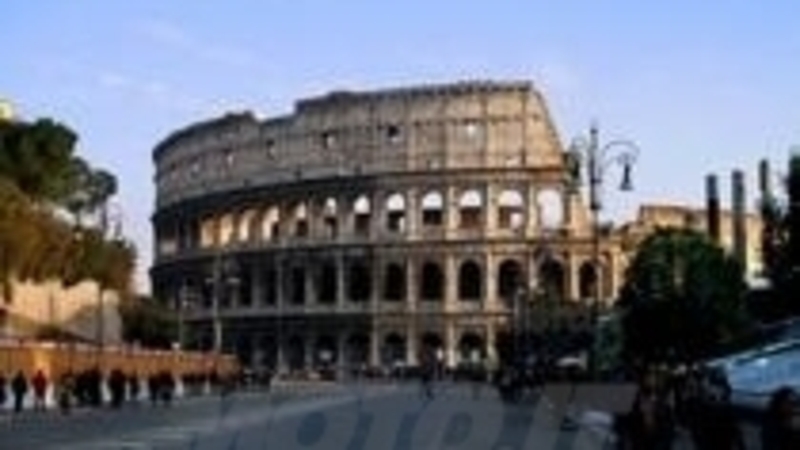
[
  {"x": 698, "y": 404},
  {"x": 86, "y": 388}
]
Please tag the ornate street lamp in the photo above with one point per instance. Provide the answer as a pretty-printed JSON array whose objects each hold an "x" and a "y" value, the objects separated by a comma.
[{"x": 599, "y": 158}]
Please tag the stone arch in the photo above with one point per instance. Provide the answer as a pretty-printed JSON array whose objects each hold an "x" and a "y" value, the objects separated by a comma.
[
  {"x": 432, "y": 206},
  {"x": 330, "y": 217},
  {"x": 362, "y": 213},
  {"x": 208, "y": 232},
  {"x": 470, "y": 208},
  {"x": 227, "y": 228},
  {"x": 550, "y": 203},
  {"x": 471, "y": 348},
  {"x": 510, "y": 209},
  {"x": 470, "y": 277},
  {"x": 396, "y": 212},
  {"x": 270, "y": 223},
  {"x": 295, "y": 353},
  {"x": 432, "y": 281},
  {"x": 326, "y": 351},
  {"x": 328, "y": 285},
  {"x": 394, "y": 349},
  {"x": 394, "y": 282},
  {"x": 552, "y": 279},
  {"x": 356, "y": 349},
  {"x": 300, "y": 219},
  {"x": 509, "y": 279},
  {"x": 587, "y": 280},
  {"x": 297, "y": 287},
  {"x": 244, "y": 225},
  {"x": 359, "y": 281},
  {"x": 432, "y": 345}
]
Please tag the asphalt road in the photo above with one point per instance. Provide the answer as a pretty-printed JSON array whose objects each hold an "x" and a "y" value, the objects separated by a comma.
[{"x": 351, "y": 417}]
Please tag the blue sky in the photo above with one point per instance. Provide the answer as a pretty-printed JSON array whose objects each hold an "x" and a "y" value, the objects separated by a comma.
[{"x": 700, "y": 86}]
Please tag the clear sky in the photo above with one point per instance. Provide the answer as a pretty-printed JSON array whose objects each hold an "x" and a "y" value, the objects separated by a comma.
[{"x": 701, "y": 86}]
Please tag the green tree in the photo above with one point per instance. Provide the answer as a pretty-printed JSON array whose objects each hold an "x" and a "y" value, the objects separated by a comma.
[
  {"x": 37, "y": 158},
  {"x": 683, "y": 298},
  {"x": 147, "y": 322}
]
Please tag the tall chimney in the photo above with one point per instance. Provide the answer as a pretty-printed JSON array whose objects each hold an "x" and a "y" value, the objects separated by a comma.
[
  {"x": 739, "y": 218},
  {"x": 712, "y": 207}
]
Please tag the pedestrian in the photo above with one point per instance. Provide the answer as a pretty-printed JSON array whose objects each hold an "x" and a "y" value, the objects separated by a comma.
[
  {"x": 650, "y": 423},
  {"x": 19, "y": 388},
  {"x": 3, "y": 390},
  {"x": 65, "y": 389},
  {"x": 133, "y": 387},
  {"x": 715, "y": 425},
  {"x": 39, "y": 390},
  {"x": 777, "y": 430}
]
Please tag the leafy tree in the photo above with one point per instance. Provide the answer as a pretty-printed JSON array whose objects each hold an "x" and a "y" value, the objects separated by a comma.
[
  {"x": 37, "y": 158},
  {"x": 40, "y": 175},
  {"x": 147, "y": 322},
  {"x": 682, "y": 298}
]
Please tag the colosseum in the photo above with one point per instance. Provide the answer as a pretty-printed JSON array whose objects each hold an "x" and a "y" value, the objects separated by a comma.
[{"x": 364, "y": 228}]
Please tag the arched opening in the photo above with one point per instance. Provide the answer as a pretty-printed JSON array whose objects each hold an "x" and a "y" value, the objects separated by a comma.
[
  {"x": 509, "y": 279},
  {"x": 510, "y": 211},
  {"x": 270, "y": 224},
  {"x": 396, "y": 213},
  {"x": 394, "y": 282},
  {"x": 330, "y": 220},
  {"x": 296, "y": 353},
  {"x": 227, "y": 229},
  {"x": 268, "y": 350},
  {"x": 362, "y": 213},
  {"x": 394, "y": 350},
  {"x": 300, "y": 216},
  {"x": 244, "y": 351},
  {"x": 328, "y": 283},
  {"x": 432, "y": 348},
  {"x": 357, "y": 350},
  {"x": 552, "y": 280},
  {"x": 271, "y": 286},
  {"x": 298, "y": 286},
  {"x": 470, "y": 278},
  {"x": 325, "y": 351},
  {"x": 470, "y": 207},
  {"x": 432, "y": 209},
  {"x": 471, "y": 349},
  {"x": 245, "y": 225},
  {"x": 359, "y": 281},
  {"x": 587, "y": 280},
  {"x": 432, "y": 285},
  {"x": 551, "y": 209}
]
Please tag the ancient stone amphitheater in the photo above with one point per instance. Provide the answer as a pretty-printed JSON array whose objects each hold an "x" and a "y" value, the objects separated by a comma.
[{"x": 365, "y": 227}]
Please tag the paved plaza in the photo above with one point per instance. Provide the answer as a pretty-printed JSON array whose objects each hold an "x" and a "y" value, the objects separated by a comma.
[{"x": 348, "y": 417}]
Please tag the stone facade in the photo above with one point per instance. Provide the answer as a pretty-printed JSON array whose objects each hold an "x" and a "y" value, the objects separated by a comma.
[{"x": 367, "y": 226}]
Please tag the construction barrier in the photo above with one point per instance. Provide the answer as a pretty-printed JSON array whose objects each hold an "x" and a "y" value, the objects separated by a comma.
[{"x": 55, "y": 359}]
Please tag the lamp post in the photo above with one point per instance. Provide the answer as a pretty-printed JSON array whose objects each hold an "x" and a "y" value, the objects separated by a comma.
[
  {"x": 222, "y": 277},
  {"x": 182, "y": 303},
  {"x": 599, "y": 158}
]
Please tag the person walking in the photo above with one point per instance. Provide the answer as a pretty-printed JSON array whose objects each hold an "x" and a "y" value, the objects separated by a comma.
[
  {"x": 3, "y": 390},
  {"x": 19, "y": 388},
  {"x": 39, "y": 390},
  {"x": 777, "y": 430}
]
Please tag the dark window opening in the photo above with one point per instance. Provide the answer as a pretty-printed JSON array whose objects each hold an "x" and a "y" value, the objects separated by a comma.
[
  {"x": 432, "y": 288},
  {"x": 328, "y": 285},
  {"x": 469, "y": 281},
  {"x": 396, "y": 221},
  {"x": 394, "y": 288},
  {"x": 360, "y": 286},
  {"x": 361, "y": 225},
  {"x": 298, "y": 296},
  {"x": 432, "y": 217},
  {"x": 331, "y": 227}
]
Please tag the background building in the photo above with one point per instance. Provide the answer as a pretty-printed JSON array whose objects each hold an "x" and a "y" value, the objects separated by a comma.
[{"x": 365, "y": 228}]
